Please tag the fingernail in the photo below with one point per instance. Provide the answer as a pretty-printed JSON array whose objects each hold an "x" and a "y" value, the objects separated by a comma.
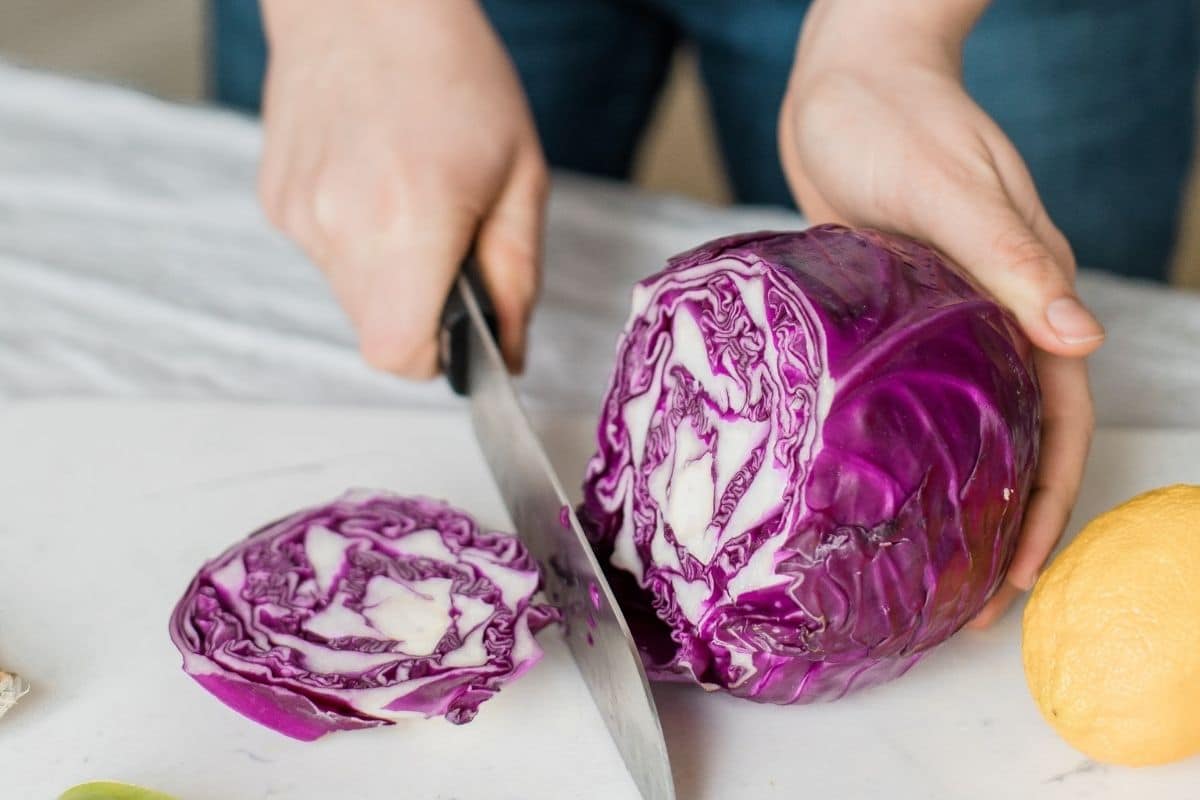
[
  {"x": 1073, "y": 323},
  {"x": 516, "y": 363}
]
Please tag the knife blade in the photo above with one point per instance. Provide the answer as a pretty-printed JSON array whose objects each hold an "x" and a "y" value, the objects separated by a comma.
[{"x": 597, "y": 634}]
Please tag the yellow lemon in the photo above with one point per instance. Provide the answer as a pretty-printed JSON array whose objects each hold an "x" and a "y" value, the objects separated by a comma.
[{"x": 1111, "y": 635}]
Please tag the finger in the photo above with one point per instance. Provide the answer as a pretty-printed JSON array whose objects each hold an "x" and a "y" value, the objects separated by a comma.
[
  {"x": 408, "y": 273},
  {"x": 509, "y": 248},
  {"x": 271, "y": 163},
  {"x": 1066, "y": 437},
  {"x": 286, "y": 165},
  {"x": 995, "y": 607},
  {"x": 1023, "y": 194},
  {"x": 989, "y": 238},
  {"x": 270, "y": 186},
  {"x": 1055, "y": 241}
]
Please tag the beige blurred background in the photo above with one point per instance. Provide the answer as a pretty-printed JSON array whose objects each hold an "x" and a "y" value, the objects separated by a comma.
[{"x": 157, "y": 45}]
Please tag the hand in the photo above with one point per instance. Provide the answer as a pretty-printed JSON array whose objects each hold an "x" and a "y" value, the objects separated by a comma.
[
  {"x": 877, "y": 130},
  {"x": 394, "y": 131}
]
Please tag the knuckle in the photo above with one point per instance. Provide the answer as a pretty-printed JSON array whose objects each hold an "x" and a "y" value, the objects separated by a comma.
[
  {"x": 379, "y": 352},
  {"x": 347, "y": 206},
  {"x": 519, "y": 288},
  {"x": 540, "y": 179},
  {"x": 288, "y": 213},
  {"x": 1056, "y": 241},
  {"x": 1028, "y": 260},
  {"x": 337, "y": 209},
  {"x": 514, "y": 256},
  {"x": 271, "y": 200},
  {"x": 382, "y": 205},
  {"x": 510, "y": 248},
  {"x": 328, "y": 209},
  {"x": 296, "y": 221},
  {"x": 1087, "y": 421}
]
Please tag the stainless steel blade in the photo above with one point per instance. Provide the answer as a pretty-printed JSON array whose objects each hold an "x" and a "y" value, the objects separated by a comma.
[{"x": 597, "y": 634}]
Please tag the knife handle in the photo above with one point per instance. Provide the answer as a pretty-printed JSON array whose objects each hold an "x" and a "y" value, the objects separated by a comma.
[{"x": 456, "y": 326}]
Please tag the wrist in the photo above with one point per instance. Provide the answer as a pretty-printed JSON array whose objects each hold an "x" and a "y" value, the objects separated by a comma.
[
  {"x": 283, "y": 18},
  {"x": 874, "y": 35},
  {"x": 947, "y": 20}
]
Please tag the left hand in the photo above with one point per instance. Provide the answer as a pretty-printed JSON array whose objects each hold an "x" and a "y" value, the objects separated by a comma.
[{"x": 877, "y": 130}]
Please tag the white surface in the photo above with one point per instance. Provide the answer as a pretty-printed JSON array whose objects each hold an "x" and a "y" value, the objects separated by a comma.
[
  {"x": 114, "y": 509},
  {"x": 111, "y": 507},
  {"x": 134, "y": 262}
]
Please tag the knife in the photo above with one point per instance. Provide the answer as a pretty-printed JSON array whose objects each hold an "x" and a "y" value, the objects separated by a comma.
[{"x": 596, "y": 632}]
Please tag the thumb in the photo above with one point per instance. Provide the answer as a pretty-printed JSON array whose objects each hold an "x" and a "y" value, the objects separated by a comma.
[
  {"x": 509, "y": 248},
  {"x": 992, "y": 241}
]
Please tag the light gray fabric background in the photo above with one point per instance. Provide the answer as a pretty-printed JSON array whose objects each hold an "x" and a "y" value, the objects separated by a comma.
[{"x": 134, "y": 262}]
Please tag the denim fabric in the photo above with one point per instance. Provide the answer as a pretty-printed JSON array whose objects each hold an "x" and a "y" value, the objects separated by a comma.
[
  {"x": 1096, "y": 94},
  {"x": 237, "y": 53}
]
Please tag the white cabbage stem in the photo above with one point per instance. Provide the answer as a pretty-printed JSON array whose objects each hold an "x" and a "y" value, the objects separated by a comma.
[{"x": 12, "y": 688}]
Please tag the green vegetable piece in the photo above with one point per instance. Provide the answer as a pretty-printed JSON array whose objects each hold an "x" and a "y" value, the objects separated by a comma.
[{"x": 110, "y": 790}]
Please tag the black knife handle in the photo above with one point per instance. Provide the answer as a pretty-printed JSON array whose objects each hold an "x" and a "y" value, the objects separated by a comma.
[{"x": 456, "y": 327}]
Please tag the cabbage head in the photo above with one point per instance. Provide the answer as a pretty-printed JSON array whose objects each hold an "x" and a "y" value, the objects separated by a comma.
[{"x": 812, "y": 461}]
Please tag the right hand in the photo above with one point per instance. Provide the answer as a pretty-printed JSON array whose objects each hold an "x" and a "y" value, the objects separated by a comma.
[
  {"x": 395, "y": 133},
  {"x": 877, "y": 130}
]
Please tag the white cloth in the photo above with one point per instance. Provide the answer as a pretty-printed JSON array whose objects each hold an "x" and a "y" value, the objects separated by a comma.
[{"x": 135, "y": 262}]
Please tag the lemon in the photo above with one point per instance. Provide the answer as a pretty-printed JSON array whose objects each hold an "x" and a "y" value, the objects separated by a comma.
[{"x": 1111, "y": 635}]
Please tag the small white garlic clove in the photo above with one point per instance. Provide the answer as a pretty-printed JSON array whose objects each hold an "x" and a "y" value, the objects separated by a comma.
[{"x": 12, "y": 688}]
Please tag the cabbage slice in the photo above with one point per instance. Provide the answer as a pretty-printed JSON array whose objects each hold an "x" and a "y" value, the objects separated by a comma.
[{"x": 361, "y": 612}]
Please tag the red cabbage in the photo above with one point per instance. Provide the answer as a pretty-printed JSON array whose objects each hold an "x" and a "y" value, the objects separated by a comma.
[
  {"x": 812, "y": 462},
  {"x": 361, "y": 612}
]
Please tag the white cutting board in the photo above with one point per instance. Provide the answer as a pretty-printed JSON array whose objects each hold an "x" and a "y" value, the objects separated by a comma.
[{"x": 108, "y": 509}]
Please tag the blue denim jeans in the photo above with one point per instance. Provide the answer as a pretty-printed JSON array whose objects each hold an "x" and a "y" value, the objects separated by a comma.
[{"x": 1096, "y": 94}]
